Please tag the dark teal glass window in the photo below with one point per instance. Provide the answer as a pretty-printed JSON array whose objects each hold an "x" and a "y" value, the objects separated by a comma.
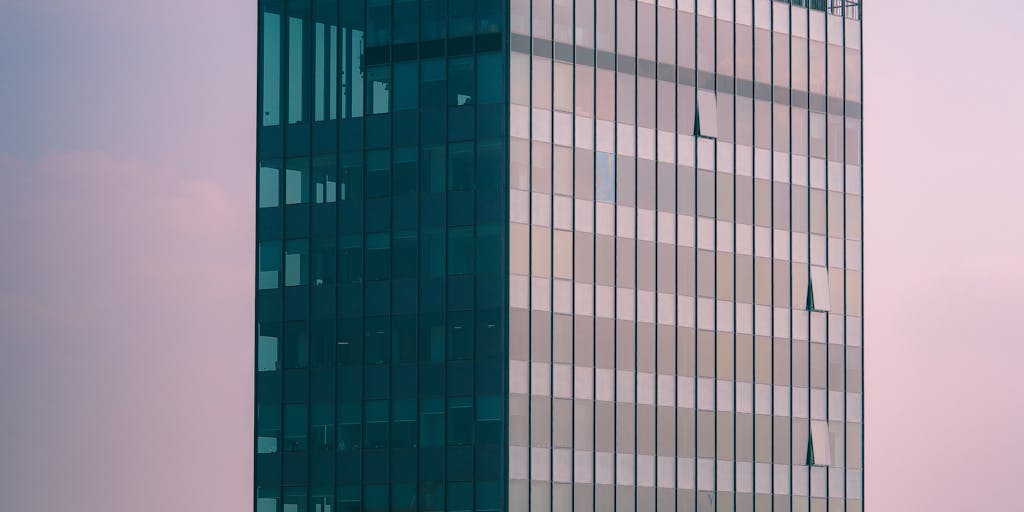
[
  {"x": 325, "y": 60},
  {"x": 269, "y": 262},
  {"x": 460, "y": 81},
  {"x": 406, "y": 85},
  {"x": 298, "y": 52},
  {"x": 490, "y": 78},
  {"x": 295, "y": 431},
  {"x": 268, "y": 338},
  {"x": 269, "y": 185},
  {"x": 271, "y": 108},
  {"x": 296, "y": 185},
  {"x": 378, "y": 90},
  {"x": 296, "y": 262}
]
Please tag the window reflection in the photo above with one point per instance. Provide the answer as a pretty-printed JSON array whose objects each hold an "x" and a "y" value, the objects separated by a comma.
[
  {"x": 605, "y": 176},
  {"x": 269, "y": 264},
  {"x": 296, "y": 262},
  {"x": 269, "y": 185},
  {"x": 378, "y": 89},
  {"x": 271, "y": 69},
  {"x": 325, "y": 180},
  {"x": 296, "y": 188},
  {"x": 325, "y": 79},
  {"x": 351, "y": 72},
  {"x": 295, "y": 69}
]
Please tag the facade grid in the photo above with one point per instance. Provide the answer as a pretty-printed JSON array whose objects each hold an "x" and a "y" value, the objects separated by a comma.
[{"x": 559, "y": 255}]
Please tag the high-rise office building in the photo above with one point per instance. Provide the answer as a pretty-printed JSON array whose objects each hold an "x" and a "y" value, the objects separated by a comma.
[{"x": 559, "y": 255}]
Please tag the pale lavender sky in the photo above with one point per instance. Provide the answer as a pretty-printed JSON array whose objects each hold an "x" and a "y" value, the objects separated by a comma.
[{"x": 126, "y": 159}]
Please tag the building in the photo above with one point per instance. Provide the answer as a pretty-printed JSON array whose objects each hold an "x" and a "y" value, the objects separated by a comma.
[{"x": 559, "y": 255}]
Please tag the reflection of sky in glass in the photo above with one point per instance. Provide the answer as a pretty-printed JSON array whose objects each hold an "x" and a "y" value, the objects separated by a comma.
[{"x": 604, "y": 165}]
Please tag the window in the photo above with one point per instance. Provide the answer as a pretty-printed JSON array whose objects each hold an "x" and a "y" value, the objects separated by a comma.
[
  {"x": 707, "y": 114},
  {"x": 325, "y": 86},
  {"x": 605, "y": 171},
  {"x": 269, "y": 264},
  {"x": 266, "y": 348},
  {"x": 819, "y": 449},
  {"x": 269, "y": 187},
  {"x": 271, "y": 69},
  {"x": 296, "y": 187},
  {"x": 460, "y": 250},
  {"x": 378, "y": 85},
  {"x": 460, "y": 81},
  {"x": 406, "y": 20},
  {"x": 351, "y": 73},
  {"x": 325, "y": 180},
  {"x": 406, "y": 85},
  {"x": 296, "y": 262},
  {"x": 460, "y": 166},
  {"x": 378, "y": 22},
  {"x": 490, "y": 83},
  {"x": 295, "y": 431},
  {"x": 818, "y": 290},
  {"x": 295, "y": 71}
]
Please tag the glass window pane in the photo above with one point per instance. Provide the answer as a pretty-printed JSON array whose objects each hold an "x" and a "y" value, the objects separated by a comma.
[
  {"x": 270, "y": 187},
  {"x": 707, "y": 113},
  {"x": 269, "y": 265},
  {"x": 351, "y": 72},
  {"x": 296, "y": 262},
  {"x": 820, "y": 446},
  {"x": 267, "y": 348},
  {"x": 325, "y": 179},
  {"x": 296, "y": 73},
  {"x": 818, "y": 296},
  {"x": 271, "y": 69},
  {"x": 406, "y": 85},
  {"x": 325, "y": 72},
  {"x": 378, "y": 89},
  {"x": 297, "y": 181},
  {"x": 605, "y": 174}
]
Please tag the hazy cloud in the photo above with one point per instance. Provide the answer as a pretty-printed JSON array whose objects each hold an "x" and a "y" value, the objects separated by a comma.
[{"x": 125, "y": 320}]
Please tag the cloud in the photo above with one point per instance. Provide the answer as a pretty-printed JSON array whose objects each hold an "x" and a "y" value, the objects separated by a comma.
[{"x": 125, "y": 335}]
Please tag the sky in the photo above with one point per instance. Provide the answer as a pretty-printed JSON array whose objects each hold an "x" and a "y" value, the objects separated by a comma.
[{"x": 126, "y": 235}]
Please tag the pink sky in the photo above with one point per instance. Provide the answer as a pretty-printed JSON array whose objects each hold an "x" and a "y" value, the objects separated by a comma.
[{"x": 126, "y": 157}]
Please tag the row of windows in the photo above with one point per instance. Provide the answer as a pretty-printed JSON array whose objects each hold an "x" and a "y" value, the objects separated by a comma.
[
  {"x": 566, "y": 78},
  {"x": 378, "y": 424},
  {"x": 461, "y": 252},
  {"x": 403, "y": 339},
  {"x": 580, "y": 382},
  {"x": 566, "y": 171},
  {"x": 815, "y": 135},
  {"x": 460, "y": 496},
  {"x": 563, "y": 465},
  {"x": 343, "y": 84},
  {"x": 379, "y": 177},
  {"x": 812, "y": 214},
  {"x": 380, "y": 174},
  {"x": 399, "y": 497},
  {"x": 371, "y": 382},
  {"x": 399, "y": 339},
  {"x": 567, "y": 21},
  {"x": 395, "y": 21}
]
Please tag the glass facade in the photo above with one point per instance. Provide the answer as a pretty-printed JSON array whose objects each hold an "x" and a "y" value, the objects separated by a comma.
[
  {"x": 381, "y": 234},
  {"x": 559, "y": 255}
]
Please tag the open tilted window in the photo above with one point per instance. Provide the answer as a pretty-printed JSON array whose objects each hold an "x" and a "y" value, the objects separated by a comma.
[
  {"x": 707, "y": 114},
  {"x": 818, "y": 292},
  {"x": 819, "y": 445}
]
